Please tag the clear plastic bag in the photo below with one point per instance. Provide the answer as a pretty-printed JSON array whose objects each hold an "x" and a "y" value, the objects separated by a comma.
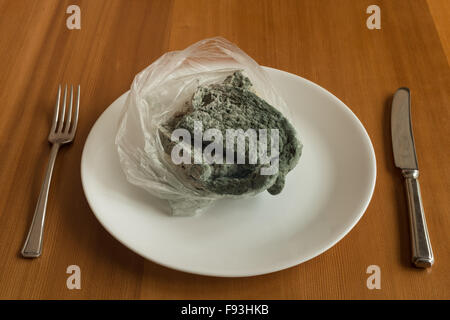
[{"x": 160, "y": 91}]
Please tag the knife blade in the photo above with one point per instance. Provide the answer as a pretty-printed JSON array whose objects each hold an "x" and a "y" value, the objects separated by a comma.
[
  {"x": 402, "y": 135},
  {"x": 405, "y": 158}
]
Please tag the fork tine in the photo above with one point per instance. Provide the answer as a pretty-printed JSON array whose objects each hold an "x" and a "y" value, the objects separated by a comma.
[
  {"x": 63, "y": 111},
  {"x": 77, "y": 109},
  {"x": 56, "y": 112},
  {"x": 69, "y": 112}
]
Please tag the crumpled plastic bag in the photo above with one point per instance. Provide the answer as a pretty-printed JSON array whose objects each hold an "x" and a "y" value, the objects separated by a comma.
[{"x": 160, "y": 91}]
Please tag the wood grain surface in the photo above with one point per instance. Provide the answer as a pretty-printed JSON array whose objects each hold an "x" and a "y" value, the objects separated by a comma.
[{"x": 325, "y": 41}]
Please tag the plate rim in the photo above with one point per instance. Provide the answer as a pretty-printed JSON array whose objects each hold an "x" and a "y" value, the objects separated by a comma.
[{"x": 267, "y": 270}]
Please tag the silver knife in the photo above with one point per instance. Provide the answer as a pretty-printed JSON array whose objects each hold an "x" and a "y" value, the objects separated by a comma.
[{"x": 405, "y": 159}]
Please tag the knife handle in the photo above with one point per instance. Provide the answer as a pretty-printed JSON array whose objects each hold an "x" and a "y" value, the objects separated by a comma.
[{"x": 422, "y": 254}]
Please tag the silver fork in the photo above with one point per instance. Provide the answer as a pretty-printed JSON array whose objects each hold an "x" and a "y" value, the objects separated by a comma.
[{"x": 60, "y": 133}]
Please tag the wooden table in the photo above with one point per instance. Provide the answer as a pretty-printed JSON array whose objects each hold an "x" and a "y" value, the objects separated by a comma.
[{"x": 324, "y": 41}]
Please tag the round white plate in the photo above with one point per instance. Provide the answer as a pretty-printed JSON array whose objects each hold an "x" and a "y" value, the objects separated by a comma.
[{"x": 324, "y": 197}]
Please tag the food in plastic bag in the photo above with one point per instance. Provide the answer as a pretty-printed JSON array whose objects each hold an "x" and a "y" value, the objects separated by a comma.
[{"x": 205, "y": 92}]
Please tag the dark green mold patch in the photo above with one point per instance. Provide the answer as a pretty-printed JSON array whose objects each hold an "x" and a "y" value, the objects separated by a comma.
[{"x": 233, "y": 105}]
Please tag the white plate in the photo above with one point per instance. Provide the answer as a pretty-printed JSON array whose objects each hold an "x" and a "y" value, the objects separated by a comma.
[{"x": 324, "y": 197}]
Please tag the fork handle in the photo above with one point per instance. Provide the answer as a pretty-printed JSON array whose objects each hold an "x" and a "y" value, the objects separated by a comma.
[{"x": 33, "y": 244}]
